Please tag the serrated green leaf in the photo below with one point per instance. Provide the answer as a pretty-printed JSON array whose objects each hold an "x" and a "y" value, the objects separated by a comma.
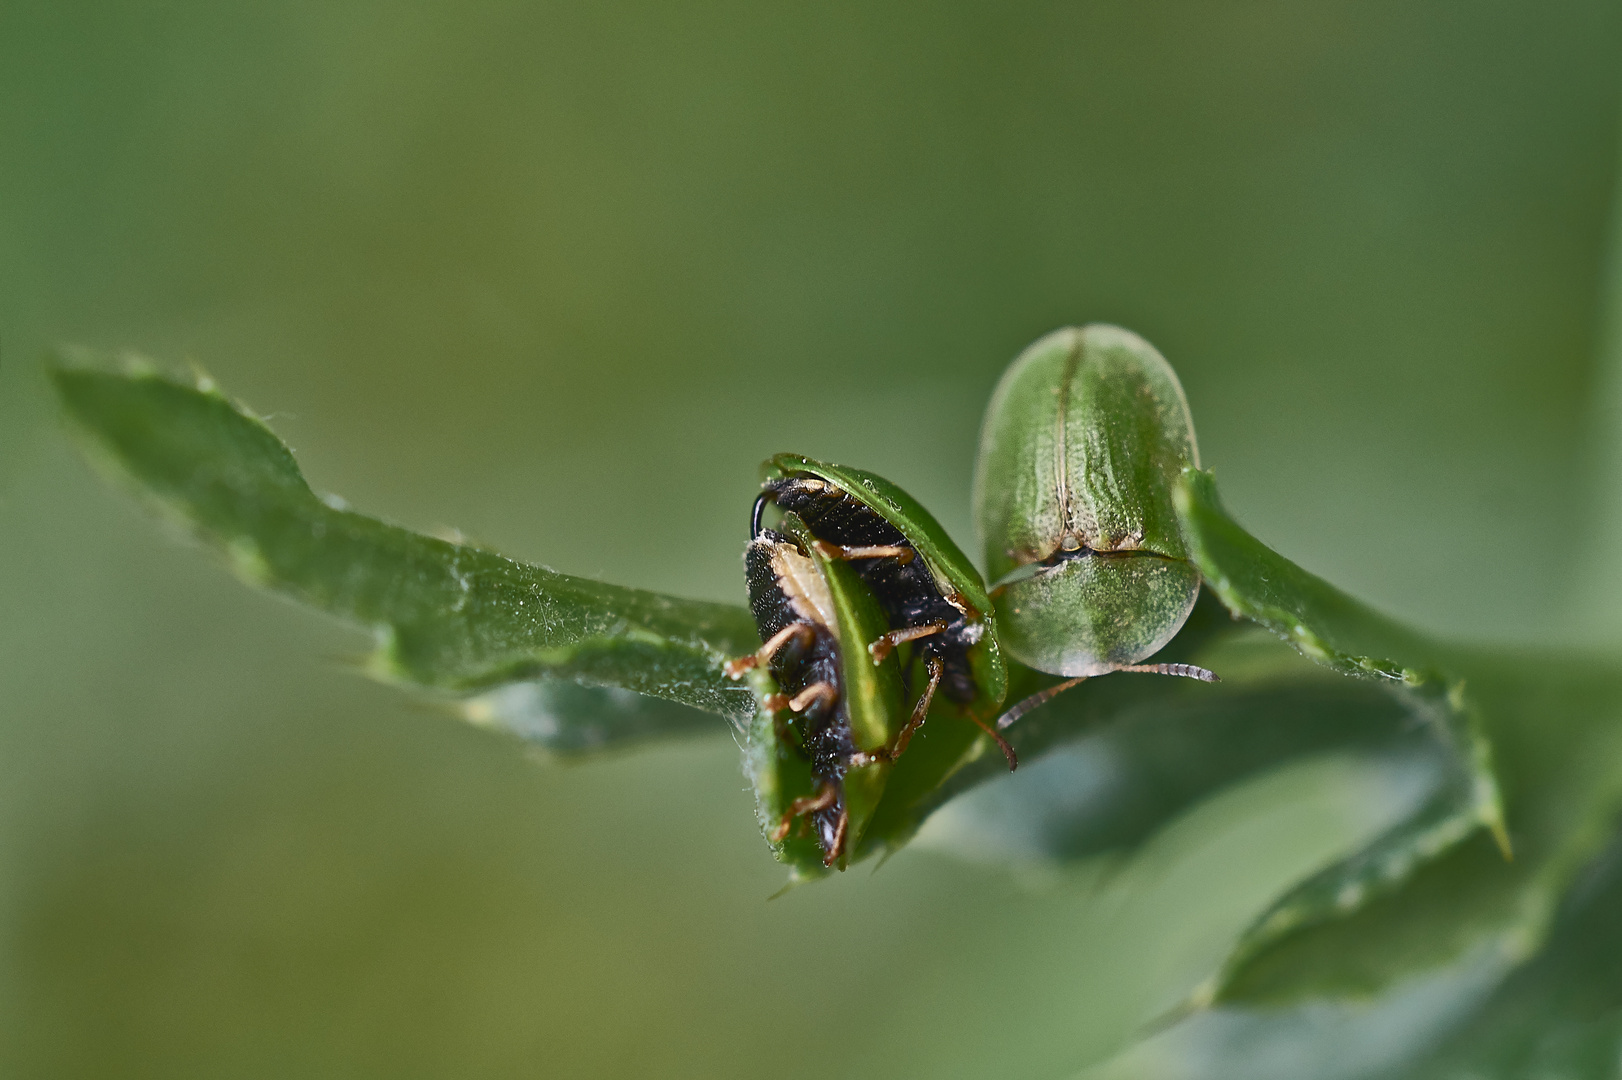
[
  {"x": 1318, "y": 1040},
  {"x": 458, "y": 618},
  {"x": 1331, "y": 628},
  {"x": 446, "y": 616}
]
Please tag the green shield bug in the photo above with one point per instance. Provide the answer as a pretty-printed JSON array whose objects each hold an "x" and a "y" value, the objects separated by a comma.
[
  {"x": 934, "y": 599},
  {"x": 837, "y": 708},
  {"x": 1083, "y": 443}
]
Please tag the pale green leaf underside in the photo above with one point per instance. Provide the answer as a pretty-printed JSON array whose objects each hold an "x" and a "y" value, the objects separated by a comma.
[
  {"x": 447, "y": 616},
  {"x": 568, "y": 718}
]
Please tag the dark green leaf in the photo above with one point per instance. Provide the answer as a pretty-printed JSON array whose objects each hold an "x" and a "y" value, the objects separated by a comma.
[{"x": 446, "y": 616}]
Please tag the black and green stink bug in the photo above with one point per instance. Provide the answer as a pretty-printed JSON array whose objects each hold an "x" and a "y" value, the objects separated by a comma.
[
  {"x": 932, "y": 596},
  {"x": 1084, "y": 441},
  {"x": 836, "y": 707}
]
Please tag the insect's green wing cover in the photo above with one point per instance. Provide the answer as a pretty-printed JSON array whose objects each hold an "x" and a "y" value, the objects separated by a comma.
[
  {"x": 947, "y": 562},
  {"x": 1083, "y": 446},
  {"x": 1085, "y": 439},
  {"x": 872, "y": 692}
]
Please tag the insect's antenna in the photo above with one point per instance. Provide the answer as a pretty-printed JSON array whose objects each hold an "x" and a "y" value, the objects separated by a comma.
[
  {"x": 1187, "y": 671},
  {"x": 760, "y": 512},
  {"x": 1042, "y": 697},
  {"x": 1036, "y": 700}
]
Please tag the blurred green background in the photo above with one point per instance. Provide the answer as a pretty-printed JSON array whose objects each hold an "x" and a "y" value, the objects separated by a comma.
[{"x": 560, "y": 275}]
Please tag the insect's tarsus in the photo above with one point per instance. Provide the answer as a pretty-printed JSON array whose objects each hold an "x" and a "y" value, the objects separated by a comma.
[
  {"x": 920, "y": 710},
  {"x": 826, "y": 796},
  {"x": 734, "y": 669},
  {"x": 885, "y": 644},
  {"x": 1002, "y": 743}
]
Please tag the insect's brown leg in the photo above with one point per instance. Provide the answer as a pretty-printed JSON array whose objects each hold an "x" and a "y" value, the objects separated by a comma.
[
  {"x": 837, "y": 848},
  {"x": 826, "y": 796},
  {"x": 734, "y": 669},
  {"x": 778, "y": 706},
  {"x": 903, "y": 552},
  {"x": 919, "y": 711},
  {"x": 885, "y": 644},
  {"x": 820, "y": 691},
  {"x": 1002, "y": 743}
]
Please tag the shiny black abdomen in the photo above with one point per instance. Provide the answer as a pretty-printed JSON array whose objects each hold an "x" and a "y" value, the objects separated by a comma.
[{"x": 824, "y": 729}]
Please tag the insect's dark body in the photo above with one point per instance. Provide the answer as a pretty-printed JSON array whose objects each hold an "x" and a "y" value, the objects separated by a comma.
[
  {"x": 805, "y": 660},
  {"x": 905, "y": 589}
]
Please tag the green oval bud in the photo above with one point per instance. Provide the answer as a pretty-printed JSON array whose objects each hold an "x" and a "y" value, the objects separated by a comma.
[{"x": 1083, "y": 444}]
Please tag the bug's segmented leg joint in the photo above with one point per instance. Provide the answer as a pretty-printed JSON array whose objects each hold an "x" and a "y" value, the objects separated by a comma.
[
  {"x": 735, "y": 669},
  {"x": 836, "y": 850},
  {"x": 826, "y": 796},
  {"x": 920, "y": 711},
  {"x": 885, "y": 644},
  {"x": 816, "y": 692},
  {"x": 1002, "y": 743}
]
